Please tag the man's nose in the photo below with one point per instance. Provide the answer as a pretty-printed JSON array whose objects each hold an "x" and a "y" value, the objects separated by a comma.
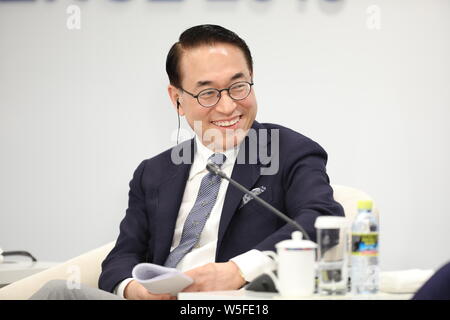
[{"x": 226, "y": 105}]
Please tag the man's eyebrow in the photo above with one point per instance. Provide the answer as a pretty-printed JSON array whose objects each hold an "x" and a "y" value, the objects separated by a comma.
[{"x": 208, "y": 82}]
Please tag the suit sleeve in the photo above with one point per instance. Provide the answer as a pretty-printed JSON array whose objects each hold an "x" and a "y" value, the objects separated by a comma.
[
  {"x": 132, "y": 244},
  {"x": 307, "y": 192}
]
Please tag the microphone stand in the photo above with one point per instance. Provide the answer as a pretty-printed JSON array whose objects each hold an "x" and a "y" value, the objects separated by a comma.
[{"x": 214, "y": 169}]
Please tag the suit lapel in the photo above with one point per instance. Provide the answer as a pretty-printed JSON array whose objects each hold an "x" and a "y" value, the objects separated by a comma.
[
  {"x": 246, "y": 174},
  {"x": 170, "y": 195}
]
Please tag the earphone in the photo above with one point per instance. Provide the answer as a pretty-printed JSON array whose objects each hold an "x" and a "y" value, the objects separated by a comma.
[{"x": 178, "y": 114}]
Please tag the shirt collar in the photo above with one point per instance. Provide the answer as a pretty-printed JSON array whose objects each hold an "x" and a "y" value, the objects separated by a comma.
[{"x": 202, "y": 155}]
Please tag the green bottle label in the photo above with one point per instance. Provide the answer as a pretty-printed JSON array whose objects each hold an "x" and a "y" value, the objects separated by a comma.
[{"x": 365, "y": 244}]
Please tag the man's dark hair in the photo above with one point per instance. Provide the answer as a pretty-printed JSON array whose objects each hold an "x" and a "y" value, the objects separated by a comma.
[{"x": 205, "y": 34}]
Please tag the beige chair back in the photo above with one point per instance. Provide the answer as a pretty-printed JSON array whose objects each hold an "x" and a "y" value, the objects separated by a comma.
[{"x": 348, "y": 198}]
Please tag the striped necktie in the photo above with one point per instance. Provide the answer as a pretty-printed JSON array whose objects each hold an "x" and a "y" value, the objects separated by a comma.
[{"x": 196, "y": 220}]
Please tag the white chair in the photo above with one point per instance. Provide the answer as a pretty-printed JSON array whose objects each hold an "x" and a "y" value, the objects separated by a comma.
[
  {"x": 87, "y": 267},
  {"x": 348, "y": 198}
]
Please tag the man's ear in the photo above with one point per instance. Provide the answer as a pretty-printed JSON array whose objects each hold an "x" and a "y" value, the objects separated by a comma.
[{"x": 174, "y": 95}]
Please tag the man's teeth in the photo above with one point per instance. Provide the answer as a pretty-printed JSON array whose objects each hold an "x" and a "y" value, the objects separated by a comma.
[{"x": 226, "y": 123}]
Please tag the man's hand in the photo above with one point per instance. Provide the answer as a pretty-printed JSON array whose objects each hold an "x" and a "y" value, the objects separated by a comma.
[
  {"x": 136, "y": 291},
  {"x": 215, "y": 276}
]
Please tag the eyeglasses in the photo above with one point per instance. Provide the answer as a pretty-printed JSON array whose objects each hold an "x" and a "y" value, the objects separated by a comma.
[{"x": 211, "y": 96}]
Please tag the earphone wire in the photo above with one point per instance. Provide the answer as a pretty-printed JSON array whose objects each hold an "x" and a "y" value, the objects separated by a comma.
[{"x": 178, "y": 114}]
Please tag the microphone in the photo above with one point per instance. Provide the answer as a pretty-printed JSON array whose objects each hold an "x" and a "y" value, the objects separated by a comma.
[{"x": 214, "y": 169}]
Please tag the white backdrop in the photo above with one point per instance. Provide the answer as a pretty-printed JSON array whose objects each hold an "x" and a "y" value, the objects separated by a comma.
[{"x": 79, "y": 109}]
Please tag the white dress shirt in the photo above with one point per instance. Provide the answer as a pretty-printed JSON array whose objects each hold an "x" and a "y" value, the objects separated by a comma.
[{"x": 251, "y": 263}]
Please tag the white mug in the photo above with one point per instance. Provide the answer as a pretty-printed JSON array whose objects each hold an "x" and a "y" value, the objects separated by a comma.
[{"x": 296, "y": 265}]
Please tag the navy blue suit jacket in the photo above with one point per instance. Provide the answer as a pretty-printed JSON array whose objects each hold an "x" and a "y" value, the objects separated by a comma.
[{"x": 299, "y": 189}]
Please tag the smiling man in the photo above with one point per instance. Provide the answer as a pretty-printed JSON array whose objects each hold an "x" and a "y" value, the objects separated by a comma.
[
  {"x": 182, "y": 216},
  {"x": 220, "y": 117},
  {"x": 210, "y": 71}
]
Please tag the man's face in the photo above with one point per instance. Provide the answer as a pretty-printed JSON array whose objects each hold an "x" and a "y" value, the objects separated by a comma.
[{"x": 218, "y": 66}]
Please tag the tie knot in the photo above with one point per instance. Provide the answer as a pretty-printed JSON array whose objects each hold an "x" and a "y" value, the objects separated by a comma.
[{"x": 217, "y": 158}]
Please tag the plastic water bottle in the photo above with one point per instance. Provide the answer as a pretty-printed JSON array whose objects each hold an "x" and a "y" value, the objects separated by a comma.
[{"x": 364, "y": 259}]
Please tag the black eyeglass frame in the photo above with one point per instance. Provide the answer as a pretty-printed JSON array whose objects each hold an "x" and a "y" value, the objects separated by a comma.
[{"x": 220, "y": 93}]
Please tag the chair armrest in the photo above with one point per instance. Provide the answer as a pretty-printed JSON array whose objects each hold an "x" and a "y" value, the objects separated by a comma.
[{"x": 85, "y": 269}]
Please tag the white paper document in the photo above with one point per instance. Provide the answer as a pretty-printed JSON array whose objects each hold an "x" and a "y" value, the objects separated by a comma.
[{"x": 158, "y": 279}]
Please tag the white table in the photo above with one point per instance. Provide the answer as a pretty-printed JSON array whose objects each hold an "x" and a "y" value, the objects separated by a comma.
[
  {"x": 252, "y": 295},
  {"x": 11, "y": 271},
  {"x": 390, "y": 281}
]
